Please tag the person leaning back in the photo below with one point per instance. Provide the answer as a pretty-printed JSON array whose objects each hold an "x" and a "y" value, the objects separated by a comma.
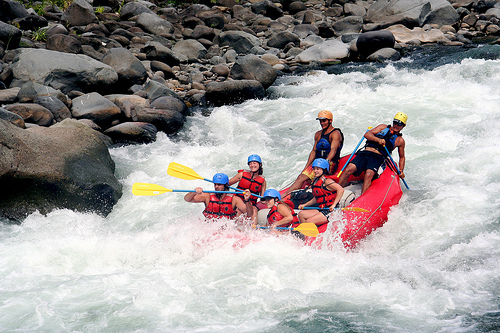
[
  {"x": 328, "y": 143},
  {"x": 374, "y": 153}
]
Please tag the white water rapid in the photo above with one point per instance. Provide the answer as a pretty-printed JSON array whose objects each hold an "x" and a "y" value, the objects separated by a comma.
[{"x": 153, "y": 266}]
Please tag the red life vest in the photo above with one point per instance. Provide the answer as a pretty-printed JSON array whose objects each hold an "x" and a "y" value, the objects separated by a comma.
[
  {"x": 220, "y": 208},
  {"x": 274, "y": 216},
  {"x": 324, "y": 197},
  {"x": 254, "y": 185}
]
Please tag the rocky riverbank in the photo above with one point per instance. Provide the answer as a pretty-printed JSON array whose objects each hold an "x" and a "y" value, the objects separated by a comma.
[{"x": 127, "y": 70}]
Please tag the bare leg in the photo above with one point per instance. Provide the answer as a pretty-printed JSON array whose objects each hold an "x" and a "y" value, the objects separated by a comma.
[
  {"x": 312, "y": 216},
  {"x": 349, "y": 170},
  {"x": 367, "y": 182},
  {"x": 297, "y": 184}
]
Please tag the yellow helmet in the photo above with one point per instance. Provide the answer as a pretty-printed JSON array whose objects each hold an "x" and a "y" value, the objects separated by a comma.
[
  {"x": 325, "y": 114},
  {"x": 401, "y": 117}
]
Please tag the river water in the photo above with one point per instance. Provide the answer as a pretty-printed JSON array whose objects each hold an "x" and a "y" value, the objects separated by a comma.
[{"x": 153, "y": 266}]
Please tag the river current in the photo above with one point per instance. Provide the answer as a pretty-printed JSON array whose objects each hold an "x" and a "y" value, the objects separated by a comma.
[{"x": 153, "y": 265}]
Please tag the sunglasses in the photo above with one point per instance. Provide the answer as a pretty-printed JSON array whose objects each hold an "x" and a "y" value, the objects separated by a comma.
[{"x": 398, "y": 123}]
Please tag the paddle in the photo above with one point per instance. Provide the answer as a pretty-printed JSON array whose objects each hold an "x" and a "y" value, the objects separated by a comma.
[
  {"x": 307, "y": 229},
  {"x": 347, "y": 209},
  {"x": 147, "y": 189},
  {"x": 396, "y": 166},
  {"x": 181, "y": 171},
  {"x": 352, "y": 154}
]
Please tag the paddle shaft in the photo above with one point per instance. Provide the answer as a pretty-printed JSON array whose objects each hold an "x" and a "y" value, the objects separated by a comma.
[
  {"x": 349, "y": 209},
  {"x": 395, "y": 165},
  {"x": 352, "y": 154}
]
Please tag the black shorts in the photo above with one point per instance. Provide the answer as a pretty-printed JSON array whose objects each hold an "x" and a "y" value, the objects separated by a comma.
[{"x": 367, "y": 160}]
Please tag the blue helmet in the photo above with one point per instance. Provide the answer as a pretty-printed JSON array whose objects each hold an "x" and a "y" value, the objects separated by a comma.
[
  {"x": 220, "y": 178},
  {"x": 321, "y": 163},
  {"x": 254, "y": 158},
  {"x": 272, "y": 193}
]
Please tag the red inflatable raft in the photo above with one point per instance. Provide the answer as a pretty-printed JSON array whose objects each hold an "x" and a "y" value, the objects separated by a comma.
[{"x": 354, "y": 226}]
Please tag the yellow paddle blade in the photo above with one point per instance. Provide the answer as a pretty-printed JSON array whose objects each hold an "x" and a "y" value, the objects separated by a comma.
[
  {"x": 356, "y": 209},
  {"x": 181, "y": 171},
  {"x": 307, "y": 229},
  {"x": 148, "y": 189}
]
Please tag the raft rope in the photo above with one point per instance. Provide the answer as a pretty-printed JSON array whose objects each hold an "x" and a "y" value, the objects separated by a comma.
[{"x": 371, "y": 214}]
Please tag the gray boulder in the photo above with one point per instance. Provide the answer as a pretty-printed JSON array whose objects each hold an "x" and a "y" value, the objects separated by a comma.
[
  {"x": 371, "y": 41},
  {"x": 12, "y": 117},
  {"x": 240, "y": 41},
  {"x": 167, "y": 121},
  {"x": 63, "y": 43},
  {"x": 411, "y": 13},
  {"x": 10, "y": 36},
  {"x": 95, "y": 107},
  {"x": 212, "y": 18},
  {"x": 133, "y": 8},
  {"x": 130, "y": 69},
  {"x": 79, "y": 12},
  {"x": 282, "y": 38},
  {"x": 8, "y": 96},
  {"x": 62, "y": 71},
  {"x": 155, "y": 90},
  {"x": 328, "y": 50},
  {"x": 11, "y": 10},
  {"x": 170, "y": 103},
  {"x": 267, "y": 8},
  {"x": 58, "y": 109},
  {"x": 190, "y": 49},
  {"x": 154, "y": 24},
  {"x": 32, "y": 113},
  {"x": 132, "y": 132},
  {"x": 384, "y": 55},
  {"x": 251, "y": 67},
  {"x": 442, "y": 13},
  {"x": 348, "y": 25},
  {"x": 233, "y": 92},
  {"x": 157, "y": 51},
  {"x": 65, "y": 166}
]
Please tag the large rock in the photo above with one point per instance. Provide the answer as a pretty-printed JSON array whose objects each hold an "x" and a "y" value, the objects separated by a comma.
[
  {"x": 240, "y": 41},
  {"x": 404, "y": 35},
  {"x": 132, "y": 132},
  {"x": 10, "y": 10},
  {"x": 130, "y": 69},
  {"x": 154, "y": 24},
  {"x": 233, "y": 92},
  {"x": 65, "y": 166},
  {"x": 167, "y": 121},
  {"x": 10, "y": 36},
  {"x": 79, "y": 12},
  {"x": 191, "y": 49},
  {"x": 32, "y": 113},
  {"x": 328, "y": 50},
  {"x": 251, "y": 67},
  {"x": 371, "y": 41},
  {"x": 411, "y": 13},
  {"x": 62, "y": 71},
  {"x": 95, "y": 107}
]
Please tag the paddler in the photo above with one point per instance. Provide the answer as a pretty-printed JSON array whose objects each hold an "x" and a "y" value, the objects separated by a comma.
[
  {"x": 374, "y": 154},
  {"x": 251, "y": 180},
  {"x": 327, "y": 194},
  {"x": 280, "y": 214},
  {"x": 220, "y": 205},
  {"x": 328, "y": 143}
]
